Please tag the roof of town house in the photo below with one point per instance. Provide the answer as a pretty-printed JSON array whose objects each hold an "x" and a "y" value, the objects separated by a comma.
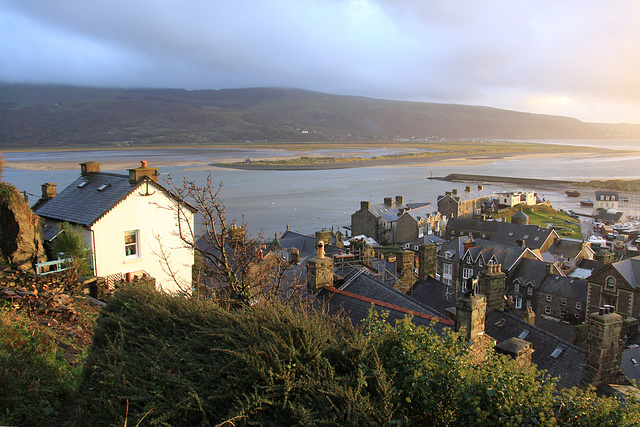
[
  {"x": 463, "y": 196},
  {"x": 566, "y": 247},
  {"x": 436, "y": 295},
  {"x": 504, "y": 254},
  {"x": 528, "y": 271},
  {"x": 630, "y": 363},
  {"x": 604, "y": 215},
  {"x": 420, "y": 213},
  {"x": 551, "y": 353},
  {"x": 306, "y": 245},
  {"x": 603, "y": 194},
  {"x": 365, "y": 292},
  {"x": 630, "y": 270},
  {"x": 472, "y": 225},
  {"x": 532, "y": 235},
  {"x": 427, "y": 239},
  {"x": 85, "y": 204},
  {"x": 566, "y": 287},
  {"x": 393, "y": 212}
]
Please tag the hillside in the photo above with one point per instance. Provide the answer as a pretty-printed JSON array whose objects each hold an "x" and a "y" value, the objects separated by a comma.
[{"x": 55, "y": 116}]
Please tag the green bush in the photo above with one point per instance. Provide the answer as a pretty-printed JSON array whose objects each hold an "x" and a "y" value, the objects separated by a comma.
[
  {"x": 178, "y": 361},
  {"x": 36, "y": 381}
]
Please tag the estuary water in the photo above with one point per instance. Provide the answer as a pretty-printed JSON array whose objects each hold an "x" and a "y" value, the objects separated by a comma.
[{"x": 311, "y": 200}]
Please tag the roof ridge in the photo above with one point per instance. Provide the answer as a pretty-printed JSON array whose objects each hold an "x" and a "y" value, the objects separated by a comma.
[
  {"x": 539, "y": 329},
  {"x": 391, "y": 306}
]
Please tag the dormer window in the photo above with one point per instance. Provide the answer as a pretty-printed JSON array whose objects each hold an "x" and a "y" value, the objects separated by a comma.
[{"x": 447, "y": 255}]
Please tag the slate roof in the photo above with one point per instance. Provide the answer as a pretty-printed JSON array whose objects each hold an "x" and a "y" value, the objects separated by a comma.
[
  {"x": 630, "y": 270},
  {"x": 532, "y": 235},
  {"x": 628, "y": 367},
  {"x": 566, "y": 247},
  {"x": 528, "y": 271},
  {"x": 473, "y": 225},
  {"x": 306, "y": 245},
  {"x": 569, "y": 366},
  {"x": 567, "y": 287},
  {"x": 427, "y": 239},
  {"x": 365, "y": 291},
  {"x": 612, "y": 195},
  {"x": 85, "y": 204},
  {"x": 437, "y": 295},
  {"x": 603, "y": 215}
]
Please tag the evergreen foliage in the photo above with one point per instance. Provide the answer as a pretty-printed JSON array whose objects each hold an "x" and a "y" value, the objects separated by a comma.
[
  {"x": 71, "y": 244},
  {"x": 179, "y": 361}
]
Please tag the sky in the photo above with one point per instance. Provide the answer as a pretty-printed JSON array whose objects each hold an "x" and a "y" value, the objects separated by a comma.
[{"x": 577, "y": 58}]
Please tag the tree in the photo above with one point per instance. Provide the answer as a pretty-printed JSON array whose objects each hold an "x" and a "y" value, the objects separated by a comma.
[
  {"x": 233, "y": 267},
  {"x": 70, "y": 243}
]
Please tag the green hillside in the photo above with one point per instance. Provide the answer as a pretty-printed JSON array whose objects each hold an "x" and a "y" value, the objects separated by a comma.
[{"x": 56, "y": 116}]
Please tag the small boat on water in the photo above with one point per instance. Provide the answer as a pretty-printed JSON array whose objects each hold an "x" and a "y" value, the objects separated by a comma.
[
  {"x": 573, "y": 193},
  {"x": 587, "y": 202}
]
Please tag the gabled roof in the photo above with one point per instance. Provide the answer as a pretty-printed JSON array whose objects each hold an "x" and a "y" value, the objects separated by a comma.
[
  {"x": 529, "y": 271},
  {"x": 85, "y": 204},
  {"x": 569, "y": 365},
  {"x": 532, "y": 235},
  {"x": 473, "y": 225},
  {"x": 566, "y": 247},
  {"x": 630, "y": 270},
  {"x": 365, "y": 292}
]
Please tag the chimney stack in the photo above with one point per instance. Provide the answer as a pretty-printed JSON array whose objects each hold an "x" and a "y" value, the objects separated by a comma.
[
  {"x": 388, "y": 201},
  {"x": 454, "y": 192},
  {"x": 399, "y": 200},
  {"x": 470, "y": 315},
  {"x": 467, "y": 189},
  {"x": 365, "y": 206},
  {"x": 529, "y": 316},
  {"x": 49, "y": 191},
  {"x": 491, "y": 283},
  {"x": 468, "y": 244},
  {"x": 89, "y": 167},
  {"x": 137, "y": 174},
  {"x": 603, "y": 346}
]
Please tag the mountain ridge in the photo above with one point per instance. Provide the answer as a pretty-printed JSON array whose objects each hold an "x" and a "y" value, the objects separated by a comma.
[{"x": 45, "y": 116}]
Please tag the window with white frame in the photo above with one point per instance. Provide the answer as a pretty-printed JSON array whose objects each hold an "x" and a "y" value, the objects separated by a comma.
[
  {"x": 547, "y": 309},
  {"x": 548, "y": 298},
  {"x": 446, "y": 270},
  {"x": 516, "y": 287},
  {"x": 578, "y": 306},
  {"x": 563, "y": 313},
  {"x": 467, "y": 272},
  {"x": 563, "y": 301},
  {"x": 131, "y": 246},
  {"x": 529, "y": 290},
  {"x": 518, "y": 303}
]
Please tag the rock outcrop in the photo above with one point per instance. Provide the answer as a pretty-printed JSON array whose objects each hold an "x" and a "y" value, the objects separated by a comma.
[{"x": 21, "y": 231}]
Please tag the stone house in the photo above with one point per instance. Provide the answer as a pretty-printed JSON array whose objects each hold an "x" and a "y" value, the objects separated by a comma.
[
  {"x": 562, "y": 298},
  {"x": 617, "y": 285},
  {"x": 462, "y": 258},
  {"x": 127, "y": 221},
  {"x": 463, "y": 204},
  {"x": 394, "y": 221}
]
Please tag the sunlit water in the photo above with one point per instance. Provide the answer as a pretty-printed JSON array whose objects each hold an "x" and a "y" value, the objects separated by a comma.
[{"x": 316, "y": 199}]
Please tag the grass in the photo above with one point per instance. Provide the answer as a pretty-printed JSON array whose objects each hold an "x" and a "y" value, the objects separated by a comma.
[{"x": 545, "y": 216}]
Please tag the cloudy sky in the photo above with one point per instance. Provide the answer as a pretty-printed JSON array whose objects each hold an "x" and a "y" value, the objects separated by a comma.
[{"x": 578, "y": 58}]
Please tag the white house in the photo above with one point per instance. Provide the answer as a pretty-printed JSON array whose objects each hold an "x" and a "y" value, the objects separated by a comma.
[
  {"x": 129, "y": 222},
  {"x": 513, "y": 198},
  {"x": 606, "y": 200}
]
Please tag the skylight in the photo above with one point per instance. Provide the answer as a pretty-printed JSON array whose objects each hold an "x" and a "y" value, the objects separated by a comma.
[
  {"x": 556, "y": 353},
  {"x": 83, "y": 184},
  {"x": 500, "y": 322},
  {"x": 523, "y": 334},
  {"x": 104, "y": 187}
]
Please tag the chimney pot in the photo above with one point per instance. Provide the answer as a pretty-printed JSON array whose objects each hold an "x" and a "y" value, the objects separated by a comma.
[{"x": 143, "y": 163}]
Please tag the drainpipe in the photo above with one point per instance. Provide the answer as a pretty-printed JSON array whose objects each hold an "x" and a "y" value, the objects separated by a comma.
[{"x": 93, "y": 252}]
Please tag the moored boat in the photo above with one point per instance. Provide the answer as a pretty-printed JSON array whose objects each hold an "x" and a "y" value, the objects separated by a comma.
[
  {"x": 573, "y": 193},
  {"x": 587, "y": 202}
]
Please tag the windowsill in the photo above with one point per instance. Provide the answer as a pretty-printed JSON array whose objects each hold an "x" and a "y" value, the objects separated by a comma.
[{"x": 132, "y": 259}]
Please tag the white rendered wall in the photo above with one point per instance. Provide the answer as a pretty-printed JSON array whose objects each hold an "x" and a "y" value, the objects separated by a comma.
[{"x": 156, "y": 227}]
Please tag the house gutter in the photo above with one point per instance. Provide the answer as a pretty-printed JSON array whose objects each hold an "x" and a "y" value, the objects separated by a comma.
[{"x": 93, "y": 252}]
